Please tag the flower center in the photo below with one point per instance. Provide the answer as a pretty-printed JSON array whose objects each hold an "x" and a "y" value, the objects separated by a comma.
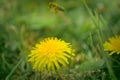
[{"x": 117, "y": 45}]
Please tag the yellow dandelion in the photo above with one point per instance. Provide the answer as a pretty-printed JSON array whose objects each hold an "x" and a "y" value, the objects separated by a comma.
[
  {"x": 113, "y": 45},
  {"x": 50, "y": 54}
]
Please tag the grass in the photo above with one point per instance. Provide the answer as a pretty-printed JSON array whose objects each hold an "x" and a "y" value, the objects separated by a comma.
[{"x": 87, "y": 25}]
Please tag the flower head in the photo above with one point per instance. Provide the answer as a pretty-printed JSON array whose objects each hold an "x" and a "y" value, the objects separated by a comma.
[
  {"x": 50, "y": 54},
  {"x": 113, "y": 45}
]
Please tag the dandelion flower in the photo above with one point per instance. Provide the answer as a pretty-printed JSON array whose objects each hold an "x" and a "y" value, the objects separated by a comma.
[
  {"x": 50, "y": 54},
  {"x": 113, "y": 45}
]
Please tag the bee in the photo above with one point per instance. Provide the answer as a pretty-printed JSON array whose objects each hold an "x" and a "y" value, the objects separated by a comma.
[{"x": 55, "y": 7}]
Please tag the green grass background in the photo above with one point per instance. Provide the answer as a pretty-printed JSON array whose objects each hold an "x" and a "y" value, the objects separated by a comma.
[{"x": 86, "y": 24}]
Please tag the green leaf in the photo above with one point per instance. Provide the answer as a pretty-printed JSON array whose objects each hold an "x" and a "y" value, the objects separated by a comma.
[{"x": 91, "y": 65}]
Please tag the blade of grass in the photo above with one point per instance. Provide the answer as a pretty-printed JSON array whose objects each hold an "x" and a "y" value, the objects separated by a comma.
[
  {"x": 13, "y": 70},
  {"x": 108, "y": 63}
]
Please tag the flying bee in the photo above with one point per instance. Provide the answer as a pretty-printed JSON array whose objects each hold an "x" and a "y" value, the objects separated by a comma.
[{"x": 55, "y": 7}]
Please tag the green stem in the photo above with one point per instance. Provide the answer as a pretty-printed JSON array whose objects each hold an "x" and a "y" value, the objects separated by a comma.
[
  {"x": 108, "y": 64},
  {"x": 13, "y": 70}
]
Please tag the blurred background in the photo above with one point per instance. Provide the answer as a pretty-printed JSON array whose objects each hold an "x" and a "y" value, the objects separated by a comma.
[{"x": 86, "y": 24}]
